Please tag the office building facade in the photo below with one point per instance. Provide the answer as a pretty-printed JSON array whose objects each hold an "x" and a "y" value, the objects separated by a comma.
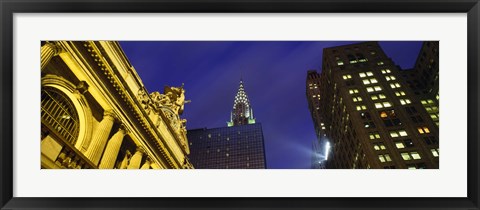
[{"x": 368, "y": 113}]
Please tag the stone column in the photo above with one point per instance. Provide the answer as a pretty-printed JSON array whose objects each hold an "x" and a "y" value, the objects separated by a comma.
[
  {"x": 136, "y": 159},
  {"x": 125, "y": 160},
  {"x": 47, "y": 51},
  {"x": 111, "y": 152},
  {"x": 146, "y": 165},
  {"x": 100, "y": 137},
  {"x": 154, "y": 165}
]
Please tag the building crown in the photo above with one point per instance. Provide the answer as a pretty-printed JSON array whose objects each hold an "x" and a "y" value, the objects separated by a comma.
[{"x": 242, "y": 112}]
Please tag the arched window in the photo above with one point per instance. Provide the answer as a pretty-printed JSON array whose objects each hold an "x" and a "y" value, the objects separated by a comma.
[{"x": 59, "y": 114}]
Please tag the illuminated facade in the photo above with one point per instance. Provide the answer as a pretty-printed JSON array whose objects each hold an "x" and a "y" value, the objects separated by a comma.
[
  {"x": 240, "y": 145},
  {"x": 97, "y": 114},
  {"x": 368, "y": 113},
  {"x": 242, "y": 113}
]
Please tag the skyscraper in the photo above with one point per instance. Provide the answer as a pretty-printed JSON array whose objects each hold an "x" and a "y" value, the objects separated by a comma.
[
  {"x": 242, "y": 113},
  {"x": 368, "y": 113},
  {"x": 240, "y": 145}
]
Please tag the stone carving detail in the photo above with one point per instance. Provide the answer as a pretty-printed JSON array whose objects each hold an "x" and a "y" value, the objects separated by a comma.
[
  {"x": 144, "y": 100},
  {"x": 171, "y": 104}
]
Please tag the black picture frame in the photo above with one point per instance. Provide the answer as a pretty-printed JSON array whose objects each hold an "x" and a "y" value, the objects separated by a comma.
[{"x": 10, "y": 7}]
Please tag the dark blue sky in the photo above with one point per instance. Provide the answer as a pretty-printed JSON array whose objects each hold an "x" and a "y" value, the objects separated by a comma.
[{"x": 274, "y": 74}]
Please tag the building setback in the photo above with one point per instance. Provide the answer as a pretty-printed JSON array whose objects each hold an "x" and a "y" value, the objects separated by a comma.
[
  {"x": 240, "y": 145},
  {"x": 369, "y": 114},
  {"x": 423, "y": 79}
]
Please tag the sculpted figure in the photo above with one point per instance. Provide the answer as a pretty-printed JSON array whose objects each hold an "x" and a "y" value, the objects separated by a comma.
[{"x": 177, "y": 98}]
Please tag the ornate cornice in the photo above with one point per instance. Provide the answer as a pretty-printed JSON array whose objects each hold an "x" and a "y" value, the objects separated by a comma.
[{"x": 133, "y": 104}]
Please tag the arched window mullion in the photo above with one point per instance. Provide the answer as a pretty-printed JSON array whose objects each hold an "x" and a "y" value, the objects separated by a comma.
[{"x": 60, "y": 114}]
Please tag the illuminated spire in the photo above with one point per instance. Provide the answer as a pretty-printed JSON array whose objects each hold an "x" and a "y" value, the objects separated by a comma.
[{"x": 242, "y": 112}]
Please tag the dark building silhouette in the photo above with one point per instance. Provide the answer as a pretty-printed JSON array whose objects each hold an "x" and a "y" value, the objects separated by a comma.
[
  {"x": 423, "y": 79},
  {"x": 368, "y": 112},
  {"x": 240, "y": 145},
  {"x": 319, "y": 155}
]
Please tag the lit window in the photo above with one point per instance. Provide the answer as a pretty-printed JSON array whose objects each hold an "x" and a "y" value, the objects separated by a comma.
[
  {"x": 340, "y": 63},
  {"x": 388, "y": 78},
  {"x": 380, "y": 63},
  {"x": 396, "y": 134},
  {"x": 362, "y": 107},
  {"x": 374, "y": 135},
  {"x": 394, "y": 85},
  {"x": 386, "y": 71},
  {"x": 406, "y": 156},
  {"x": 357, "y": 99},
  {"x": 353, "y": 91},
  {"x": 372, "y": 89},
  {"x": 362, "y": 75},
  {"x": 399, "y": 93},
  {"x": 399, "y": 145},
  {"x": 405, "y": 101},
  {"x": 370, "y": 81},
  {"x": 384, "y": 158},
  {"x": 383, "y": 115},
  {"x": 381, "y": 158},
  {"x": 381, "y": 96},
  {"x": 379, "y": 147},
  {"x": 434, "y": 152},
  {"x": 369, "y": 74},
  {"x": 374, "y": 97},
  {"x": 387, "y": 157},
  {"x": 415, "y": 155},
  {"x": 410, "y": 156},
  {"x": 383, "y": 105},
  {"x": 347, "y": 76},
  {"x": 423, "y": 130}
]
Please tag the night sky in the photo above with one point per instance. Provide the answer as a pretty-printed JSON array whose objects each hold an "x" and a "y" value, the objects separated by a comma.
[{"x": 274, "y": 74}]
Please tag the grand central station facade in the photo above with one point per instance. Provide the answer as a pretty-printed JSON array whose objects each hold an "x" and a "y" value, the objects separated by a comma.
[{"x": 97, "y": 114}]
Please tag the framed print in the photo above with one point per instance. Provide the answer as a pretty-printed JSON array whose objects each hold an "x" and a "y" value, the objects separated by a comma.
[{"x": 259, "y": 105}]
